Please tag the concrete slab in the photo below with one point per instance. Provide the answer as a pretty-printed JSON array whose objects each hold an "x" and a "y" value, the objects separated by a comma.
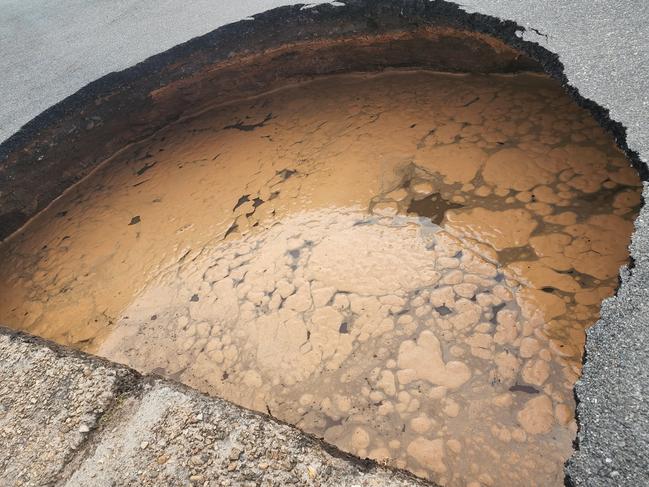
[
  {"x": 50, "y": 402},
  {"x": 67, "y": 418},
  {"x": 174, "y": 436}
]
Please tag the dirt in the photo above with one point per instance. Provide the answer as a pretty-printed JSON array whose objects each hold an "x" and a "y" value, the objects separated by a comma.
[{"x": 403, "y": 263}]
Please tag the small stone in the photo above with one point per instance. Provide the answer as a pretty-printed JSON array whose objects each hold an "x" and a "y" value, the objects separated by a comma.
[{"x": 235, "y": 453}]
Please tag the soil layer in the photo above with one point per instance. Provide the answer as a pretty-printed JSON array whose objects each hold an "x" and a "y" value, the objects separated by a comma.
[{"x": 403, "y": 263}]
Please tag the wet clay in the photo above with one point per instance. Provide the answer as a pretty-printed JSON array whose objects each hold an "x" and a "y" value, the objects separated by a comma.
[{"x": 403, "y": 264}]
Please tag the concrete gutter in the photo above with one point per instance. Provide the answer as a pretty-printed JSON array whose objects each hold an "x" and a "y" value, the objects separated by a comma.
[{"x": 603, "y": 51}]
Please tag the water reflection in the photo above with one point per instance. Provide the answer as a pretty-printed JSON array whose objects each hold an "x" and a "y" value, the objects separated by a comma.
[{"x": 402, "y": 263}]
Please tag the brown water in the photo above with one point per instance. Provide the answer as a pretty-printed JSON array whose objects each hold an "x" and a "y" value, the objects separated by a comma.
[{"x": 402, "y": 263}]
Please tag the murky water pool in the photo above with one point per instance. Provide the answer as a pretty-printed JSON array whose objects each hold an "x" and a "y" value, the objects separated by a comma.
[{"x": 403, "y": 263}]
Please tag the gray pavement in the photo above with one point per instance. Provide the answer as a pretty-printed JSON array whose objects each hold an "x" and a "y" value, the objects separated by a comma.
[
  {"x": 603, "y": 45},
  {"x": 49, "y": 50}
]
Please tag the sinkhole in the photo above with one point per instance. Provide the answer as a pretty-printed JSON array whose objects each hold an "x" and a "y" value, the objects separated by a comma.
[{"x": 393, "y": 239}]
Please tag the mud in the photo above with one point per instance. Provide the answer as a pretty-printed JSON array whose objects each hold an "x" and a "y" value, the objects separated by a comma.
[{"x": 403, "y": 263}]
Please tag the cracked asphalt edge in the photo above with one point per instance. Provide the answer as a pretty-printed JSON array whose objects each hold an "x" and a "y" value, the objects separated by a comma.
[{"x": 614, "y": 432}]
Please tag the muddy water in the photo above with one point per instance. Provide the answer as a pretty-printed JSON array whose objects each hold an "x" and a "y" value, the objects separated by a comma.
[{"x": 401, "y": 263}]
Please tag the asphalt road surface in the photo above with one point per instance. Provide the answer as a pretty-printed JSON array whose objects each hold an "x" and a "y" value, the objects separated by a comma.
[{"x": 49, "y": 50}]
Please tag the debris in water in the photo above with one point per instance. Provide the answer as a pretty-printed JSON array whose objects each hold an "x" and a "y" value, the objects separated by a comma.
[{"x": 249, "y": 127}]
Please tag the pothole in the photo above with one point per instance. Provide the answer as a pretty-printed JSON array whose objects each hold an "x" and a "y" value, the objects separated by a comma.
[{"x": 402, "y": 263}]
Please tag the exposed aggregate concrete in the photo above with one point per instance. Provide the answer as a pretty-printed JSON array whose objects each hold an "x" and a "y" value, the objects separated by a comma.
[
  {"x": 49, "y": 403},
  {"x": 71, "y": 419}
]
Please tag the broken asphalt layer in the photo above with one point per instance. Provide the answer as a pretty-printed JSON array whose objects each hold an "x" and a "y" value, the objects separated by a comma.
[{"x": 49, "y": 52}]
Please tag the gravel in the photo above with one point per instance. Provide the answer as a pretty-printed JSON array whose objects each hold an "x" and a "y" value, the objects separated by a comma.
[{"x": 50, "y": 403}]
